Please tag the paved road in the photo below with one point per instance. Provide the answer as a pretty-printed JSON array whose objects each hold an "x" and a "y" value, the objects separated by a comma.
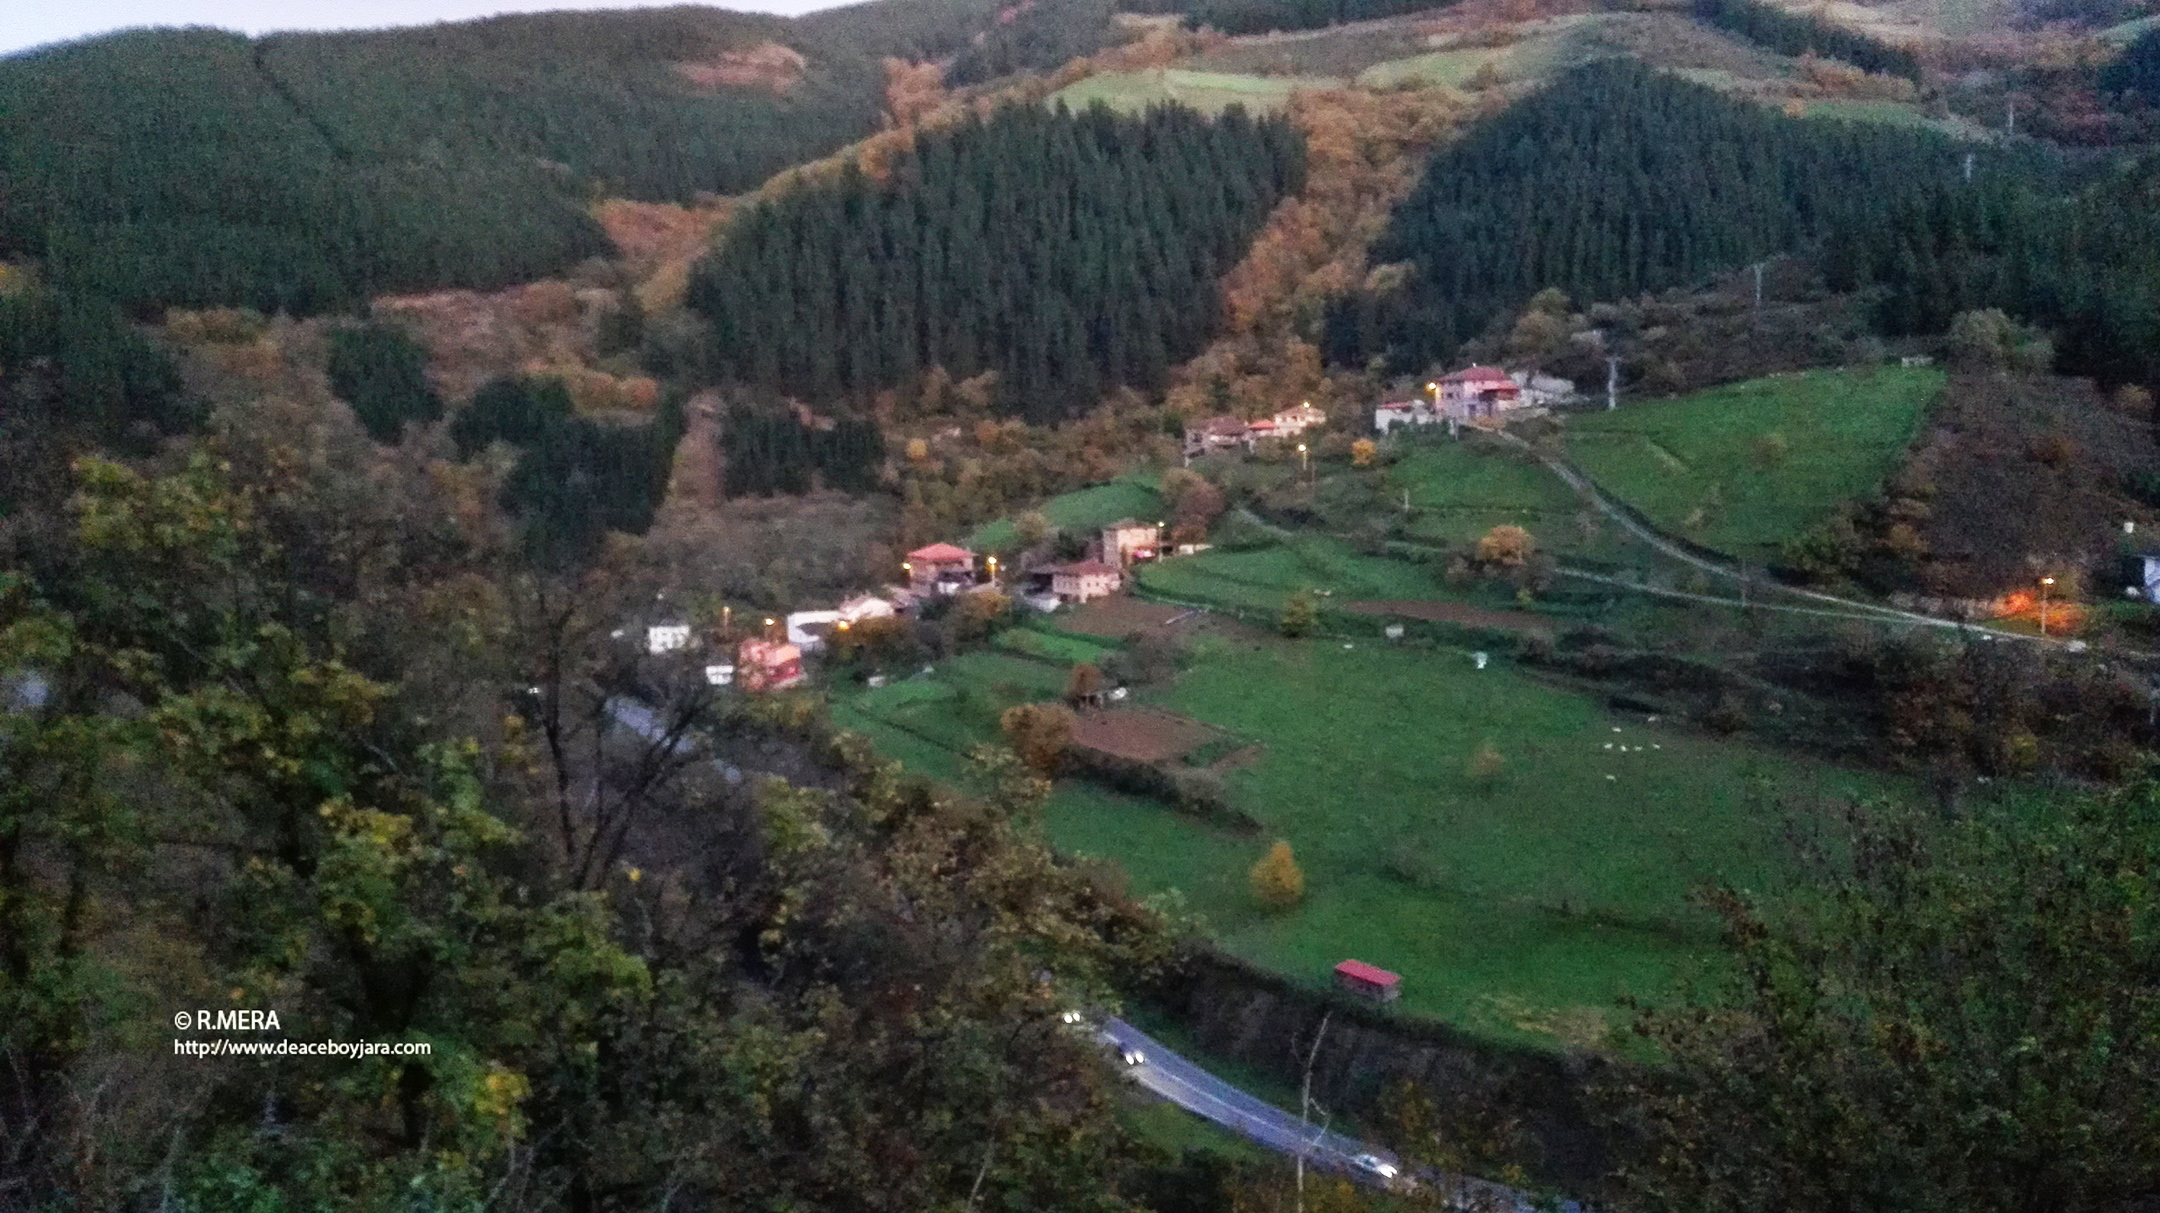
[{"x": 1201, "y": 1093}]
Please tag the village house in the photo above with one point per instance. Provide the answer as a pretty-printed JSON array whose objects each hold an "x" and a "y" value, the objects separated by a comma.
[
  {"x": 1291, "y": 422},
  {"x": 1543, "y": 391},
  {"x": 666, "y": 638},
  {"x": 767, "y": 665},
  {"x": 1085, "y": 580},
  {"x": 1402, "y": 412},
  {"x": 940, "y": 568},
  {"x": 1127, "y": 540},
  {"x": 1217, "y": 434},
  {"x": 807, "y": 630},
  {"x": 864, "y": 606},
  {"x": 1478, "y": 393}
]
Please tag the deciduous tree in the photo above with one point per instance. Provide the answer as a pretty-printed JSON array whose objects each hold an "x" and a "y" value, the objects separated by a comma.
[
  {"x": 1039, "y": 733},
  {"x": 1276, "y": 879}
]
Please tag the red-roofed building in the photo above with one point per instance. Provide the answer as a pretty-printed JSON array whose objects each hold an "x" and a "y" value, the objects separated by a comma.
[
  {"x": 767, "y": 665},
  {"x": 1478, "y": 392},
  {"x": 1085, "y": 580},
  {"x": 1217, "y": 434},
  {"x": 1367, "y": 980},
  {"x": 940, "y": 568}
]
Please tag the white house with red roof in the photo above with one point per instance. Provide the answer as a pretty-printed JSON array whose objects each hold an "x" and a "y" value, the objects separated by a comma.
[
  {"x": 1086, "y": 579},
  {"x": 1478, "y": 393},
  {"x": 940, "y": 568}
]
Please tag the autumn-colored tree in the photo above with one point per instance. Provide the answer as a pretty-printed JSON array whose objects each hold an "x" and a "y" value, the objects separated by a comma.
[
  {"x": 1506, "y": 546},
  {"x": 1363, "y": 452},
  {"x": 1084, "y": 684},
  {"x": 980, "y": 613},
  {"x": 878, "y": 638},
  {"x": 1195, "y": 503},
  {"x": 1039, "y": 733},
  {"x": 1276, "y": 878},
  {"x": 912, "y": 90},
  {"x": 1299, "y": 614},
  {"x": 918, "y": 450}
]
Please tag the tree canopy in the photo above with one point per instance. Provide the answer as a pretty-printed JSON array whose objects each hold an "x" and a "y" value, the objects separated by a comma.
[{"x": 1068, "y": 253}]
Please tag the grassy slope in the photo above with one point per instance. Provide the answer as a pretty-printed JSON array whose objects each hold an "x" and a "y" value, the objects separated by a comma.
[
  {"x": 1262, "y": 578},
  {"x": 1458, "y": 493},
  {"x": 1409, "y": 864},
  {"x": 1704, "y": 465},
  {"x": 1085, "y": 510},
  {"x": 1209, "y": 92}
]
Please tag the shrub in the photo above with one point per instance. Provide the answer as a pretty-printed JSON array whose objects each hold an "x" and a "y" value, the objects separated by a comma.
[{"x": 1276, "y": 879}]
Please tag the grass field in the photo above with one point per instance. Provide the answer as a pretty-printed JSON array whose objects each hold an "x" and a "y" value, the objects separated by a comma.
[
  {"x": 1208, "y": 92},
  {"x": 1451, "y": 68},
  {"x": 1522, "y": 907},
  {"x": 1457, "y": 493},
  {"x": 1051, "y": 646},
  {"x": 1084, "y": 510},
  {"x": 1264, "y": 577},
  {"x": 1748, "y": 467},
  {"x": 1525, "y": 909}
]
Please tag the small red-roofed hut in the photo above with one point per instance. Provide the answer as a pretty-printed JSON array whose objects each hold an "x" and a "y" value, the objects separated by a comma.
[{"x": 1368, "y": 981}]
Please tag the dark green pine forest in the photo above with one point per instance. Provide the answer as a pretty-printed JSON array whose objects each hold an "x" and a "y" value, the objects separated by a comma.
[
  {"x": 1619, "y": 180},
  {"x": 1069, "y": 253},
  {"x": 305, "y": 172}
]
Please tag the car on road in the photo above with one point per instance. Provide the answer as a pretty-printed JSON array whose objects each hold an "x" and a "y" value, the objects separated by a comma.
[
  {"x": 1131, "y": 1056},
  {"x": 1373, "y": 1164}
]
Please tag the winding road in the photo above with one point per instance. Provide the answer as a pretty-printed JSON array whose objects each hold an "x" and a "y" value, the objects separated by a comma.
[{"x": 1188, "y": 1086}]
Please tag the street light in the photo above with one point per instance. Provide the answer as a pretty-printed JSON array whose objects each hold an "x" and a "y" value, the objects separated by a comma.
[
  {"x": 1303, "y": 463},
  {"x": 993, "y": 570},
  {"x": 2045, "y": 582}
]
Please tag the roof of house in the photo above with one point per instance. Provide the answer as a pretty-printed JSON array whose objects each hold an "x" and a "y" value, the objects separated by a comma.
[
  {"x": 941, "y": 551},
  {"x": 1226, "y": 425},
  {"x": 1262, "y": 424},
  {"x": 767, "y": 652},
  {"x": 1402, "y": 405},
  {"x": 1364, "y": 972},
  {"x": 1475, "y": 372},
  {"x": 1084, "y": 568},
  {"x": 1130, "y": 524}
]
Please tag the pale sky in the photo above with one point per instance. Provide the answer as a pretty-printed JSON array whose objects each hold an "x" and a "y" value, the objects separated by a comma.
[{"x": 27, "y": 23}]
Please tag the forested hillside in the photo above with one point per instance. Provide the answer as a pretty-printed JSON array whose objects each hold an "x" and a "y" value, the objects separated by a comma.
[
  {"x": 304, "y": 172},
  {"x": 1619, "y": 180},
  {"x": 1067, "y": 253}
]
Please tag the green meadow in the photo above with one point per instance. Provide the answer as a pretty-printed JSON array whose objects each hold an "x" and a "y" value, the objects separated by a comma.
[
  {"x": 1083, "y": 510},
  {"x": 1748, "y": 467}
]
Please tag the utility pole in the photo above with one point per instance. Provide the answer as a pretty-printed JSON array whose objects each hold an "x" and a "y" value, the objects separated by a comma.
[
  {"x": 1612, "y": 383},
  {"x": 1968, "y": 168},
  {"x": 1758, "y": 286},
  {"x": 2010, "y": 116},
  {"x": 1305, "y": 1107}
]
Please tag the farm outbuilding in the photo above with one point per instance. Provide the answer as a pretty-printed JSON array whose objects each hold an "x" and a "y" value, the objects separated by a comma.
[{"x": 1368, "y": 981}]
